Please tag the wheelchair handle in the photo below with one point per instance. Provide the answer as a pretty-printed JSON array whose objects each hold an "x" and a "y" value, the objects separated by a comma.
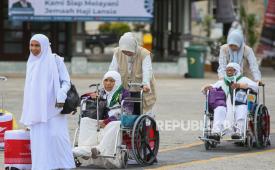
[
  {"x": 261, "y": 84},
  {"x": 135, "y": 84},
  {"x": 94, "y": 85},
  {"x": 2, "y": 78}
]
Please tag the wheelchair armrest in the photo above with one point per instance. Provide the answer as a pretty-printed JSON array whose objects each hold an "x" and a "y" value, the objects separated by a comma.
[
  {"x": 251, "y": 91},
  {"x": 261, "y": 84}
]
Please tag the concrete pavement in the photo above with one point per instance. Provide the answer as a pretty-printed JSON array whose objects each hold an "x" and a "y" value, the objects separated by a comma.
[{"x": 178, "y": 99}]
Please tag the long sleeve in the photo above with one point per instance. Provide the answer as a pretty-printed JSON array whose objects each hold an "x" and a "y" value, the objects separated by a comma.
[
  {"x": 114, "y": 65},
  {"x": 253, "y": 65},
  {"x": 217, "y": 84},
  {"x": 147, "y": 70},
  {"x": 64, "y": 79},
  {"x": 250, "y": 84},
  {"x": 222, "y": 64}
]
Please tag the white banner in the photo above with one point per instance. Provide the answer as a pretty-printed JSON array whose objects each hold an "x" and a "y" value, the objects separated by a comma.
[{"x": 81, "y": 10}]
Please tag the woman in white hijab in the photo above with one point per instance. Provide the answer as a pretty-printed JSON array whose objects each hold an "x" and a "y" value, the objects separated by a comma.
[
  {"x": 237, "y": 51},
  {"x": 224, "y": 118},
  {"x": 134, "y": 64},
  {"x": 46, "y": 85},
  {"x": 103, "y": 142}
]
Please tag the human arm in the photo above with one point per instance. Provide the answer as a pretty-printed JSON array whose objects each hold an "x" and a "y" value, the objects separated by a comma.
[
  {"x": 147, "y": 72},
  {"x": 253, "y": 65},
  {"x": 65, "y": 82},
  {"x": 222, "y": 64},
  {"x": 246, "y": 83},
  {"x": 210, "y": 86},
  {"x": 114, "y": 65}
]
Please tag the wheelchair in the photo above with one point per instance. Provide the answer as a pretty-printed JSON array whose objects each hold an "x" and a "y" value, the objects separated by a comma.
[
  {"x": 257, "y": 123},
  {"x": 138, "y": 137}
]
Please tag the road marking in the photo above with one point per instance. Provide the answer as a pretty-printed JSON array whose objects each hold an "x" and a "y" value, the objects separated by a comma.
[
  {"x": 191, "y": 145},
  {"x": 181, "y": 147},
  {"x": 185, "y": 164}
]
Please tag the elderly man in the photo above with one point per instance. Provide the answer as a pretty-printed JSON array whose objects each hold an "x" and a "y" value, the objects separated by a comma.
[
  {"x": 134, "y": 64},
  {"x": 233, "y": 80}
]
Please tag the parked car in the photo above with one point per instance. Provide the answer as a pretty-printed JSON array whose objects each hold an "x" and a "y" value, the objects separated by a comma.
[{"x": 98, "y": 42}]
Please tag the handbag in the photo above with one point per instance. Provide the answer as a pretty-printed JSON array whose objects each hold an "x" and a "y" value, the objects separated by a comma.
[{"x": 72, "y": 101}]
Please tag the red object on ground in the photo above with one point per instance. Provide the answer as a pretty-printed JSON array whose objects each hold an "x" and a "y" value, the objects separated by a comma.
[
  {"x": 5, "y": 124},
  {"x": 17, "y": 149}
]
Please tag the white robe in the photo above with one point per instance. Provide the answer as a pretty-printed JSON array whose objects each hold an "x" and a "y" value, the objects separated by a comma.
[
  {"x": 47, "y": 82},
  {"x": 227, "y": 121},
  {"x": 105, "y": 141},
  {"x": 50, "y": 145}
]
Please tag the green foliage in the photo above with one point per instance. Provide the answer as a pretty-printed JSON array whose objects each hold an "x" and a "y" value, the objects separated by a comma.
[
  {"x": 249, "y": 22},
  {"x": 104, "y": 28},
  {"x": 114, "y": 27},
  {"x": 206, "y": 24},
  {"x": 119, "y": 28}
]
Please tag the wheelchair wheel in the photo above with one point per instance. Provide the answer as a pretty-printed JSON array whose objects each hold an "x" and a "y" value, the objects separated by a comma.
[
  {"x": 124, "y": 159},
  {"x": 262, "y": 126},
  {"x": 145, "y": 140},
  {"x": 207, "y": 145},
  {"x": 249, "y": 140},
  {"x": 77, "y": 162}
]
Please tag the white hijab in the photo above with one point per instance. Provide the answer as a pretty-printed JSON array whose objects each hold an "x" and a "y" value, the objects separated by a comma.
[
  {"x": 235, "y": 37},
  {"x": 41, "y": 85},
  {"x": 236, "y": 67},
  {"x": 128, "y": 42},
  {"x": 116, "y": 76}
]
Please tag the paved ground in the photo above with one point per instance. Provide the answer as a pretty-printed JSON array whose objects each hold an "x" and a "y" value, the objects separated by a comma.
[{"x": 178, "y": 99}]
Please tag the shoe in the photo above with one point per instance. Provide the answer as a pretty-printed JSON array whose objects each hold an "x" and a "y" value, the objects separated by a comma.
[
  {"x": 215, "y": 136},
  {"x": 236, "y": 136},
  {"x": 95, "y": 153}
]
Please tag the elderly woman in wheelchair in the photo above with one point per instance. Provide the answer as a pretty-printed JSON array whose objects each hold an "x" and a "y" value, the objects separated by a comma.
[
  {"x": 101, "y": 137},
  {"x": 227, "y": 99},
  {"x": 112, "y": 127}
]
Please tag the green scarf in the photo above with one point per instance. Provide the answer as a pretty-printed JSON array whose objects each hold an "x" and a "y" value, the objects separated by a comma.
[
  {"x": 116, "y": 96},
  {"x": 228, "y": 84}
]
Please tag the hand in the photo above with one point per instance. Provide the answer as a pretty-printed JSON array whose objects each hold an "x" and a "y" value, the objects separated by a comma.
[
  {"x": 94, "y": 95},
  {"x": 206, "y": 88},
  {"x": 146, "y": 88},
  {"x": 59, "y": 105},
  {"x": 101, "y": 124},
  {"x": 235, "y": 85}
]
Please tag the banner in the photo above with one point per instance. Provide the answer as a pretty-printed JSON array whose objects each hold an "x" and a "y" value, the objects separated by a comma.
[
  {"x": 266, "y": 46},
  {"x": 81, "y": 10}
]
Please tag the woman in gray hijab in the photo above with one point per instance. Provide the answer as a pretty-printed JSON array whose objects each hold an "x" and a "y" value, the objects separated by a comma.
[{"x": 237, "y": 51}]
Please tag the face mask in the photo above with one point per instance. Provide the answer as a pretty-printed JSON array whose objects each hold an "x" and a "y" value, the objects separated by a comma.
[{"x": 230, "y": 79}]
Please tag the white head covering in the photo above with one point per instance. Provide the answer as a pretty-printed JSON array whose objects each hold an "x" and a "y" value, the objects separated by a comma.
[
  {"x": 236, "y": 67},
  {"x": 41, "y": 85},
  {"x": 128, "y": 42},
  {"x": 116, "y": 76},
  {"x": 235, "y": 37}
]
